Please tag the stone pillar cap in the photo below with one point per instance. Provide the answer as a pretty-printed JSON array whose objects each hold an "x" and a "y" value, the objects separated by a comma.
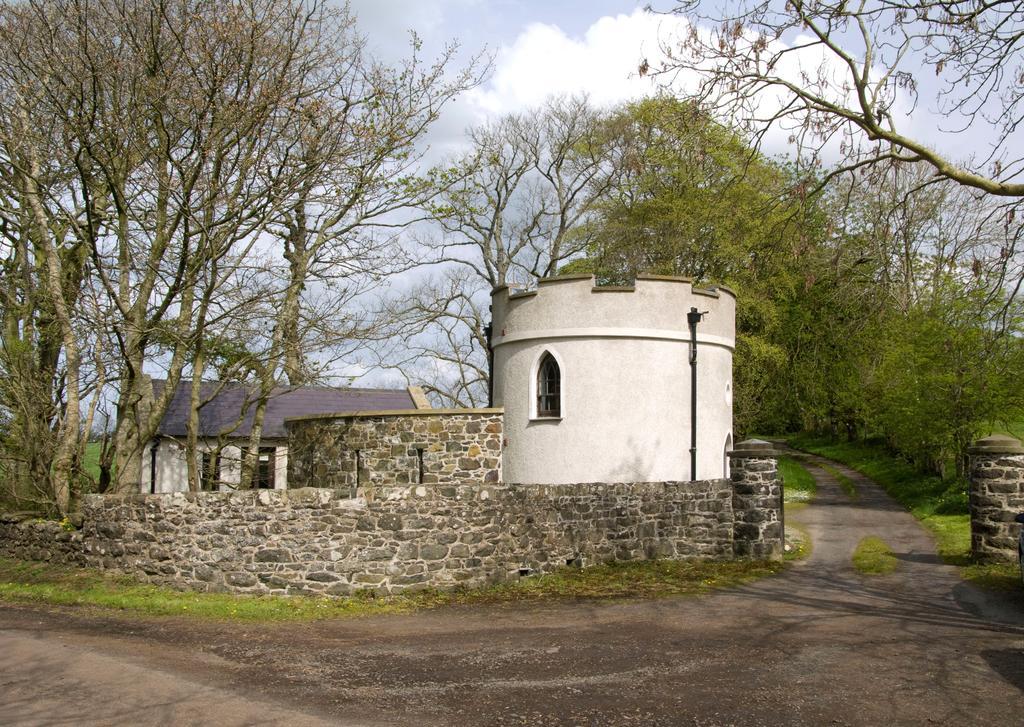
[
  {"x": 997, "y": 444},
  {"x": 752, "y": 448}
]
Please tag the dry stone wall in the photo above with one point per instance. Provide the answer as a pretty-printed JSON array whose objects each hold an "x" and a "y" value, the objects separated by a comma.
[
  {"x": 389, "y": 534},
  {"x": 387, "y": 449},
  {"x": 321, "y": 541},
  {"x": 29, "y": 538}
]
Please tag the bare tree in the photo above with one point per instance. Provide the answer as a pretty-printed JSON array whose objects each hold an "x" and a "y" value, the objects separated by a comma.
[
  {"x": 851, "y": 71},
  {"x": 515, "y": 213},
  {"x": 362, "y": 181},
  {"x": 154, "y": 154},
  {"x": 439, "y": 338}
]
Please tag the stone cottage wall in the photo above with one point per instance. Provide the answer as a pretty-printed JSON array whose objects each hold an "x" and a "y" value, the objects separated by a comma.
[
  {"x": 386, "y": 449},
  {"x": 321, "y": 541}
]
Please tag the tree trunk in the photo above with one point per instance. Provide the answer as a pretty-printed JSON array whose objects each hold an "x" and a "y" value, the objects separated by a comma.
[
  {"x": 192, "y": 425},
  {"x": 68, "y": 429}
]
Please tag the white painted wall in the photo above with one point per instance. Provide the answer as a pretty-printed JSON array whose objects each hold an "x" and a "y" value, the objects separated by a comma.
[
  {"x": 172, "y": 466},
  {"x": 625, "y": 381}
]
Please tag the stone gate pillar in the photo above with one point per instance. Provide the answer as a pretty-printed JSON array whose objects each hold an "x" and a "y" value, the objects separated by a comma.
[
  {"x": 996, "y": 497},
  {"x": 758, "y": 530}
]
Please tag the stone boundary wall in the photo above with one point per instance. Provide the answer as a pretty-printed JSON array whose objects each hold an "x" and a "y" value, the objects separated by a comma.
[
  {"x": 320, "y": 541},
  {"x": 394, "y": 537},
  {"x": 395, "y": 448},
  {"x": 29, "y": 538}
]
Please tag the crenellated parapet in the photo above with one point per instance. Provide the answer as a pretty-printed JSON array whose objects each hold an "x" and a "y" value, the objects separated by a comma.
[{"x": 574, "y": 305}]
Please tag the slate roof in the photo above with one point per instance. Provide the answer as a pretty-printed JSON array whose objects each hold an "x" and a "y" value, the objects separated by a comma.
[{"x": 224, "y": 404}]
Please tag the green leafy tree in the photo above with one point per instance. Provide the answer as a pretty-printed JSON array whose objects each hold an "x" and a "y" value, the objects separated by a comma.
[{"x": 693, "y": 199}]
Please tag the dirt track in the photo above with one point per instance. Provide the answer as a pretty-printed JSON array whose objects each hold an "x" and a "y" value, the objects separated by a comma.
[{"x": 817, "y": 645}]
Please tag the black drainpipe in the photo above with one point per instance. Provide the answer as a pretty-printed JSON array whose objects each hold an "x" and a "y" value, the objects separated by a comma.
[
  {"x": 693, "y": 318},
  {"x": 152, "y": 466},
  {"x": 488, "y": 330}
]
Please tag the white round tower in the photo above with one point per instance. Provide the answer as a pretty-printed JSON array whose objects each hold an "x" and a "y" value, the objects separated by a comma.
[{"x": 595, "y": 381}]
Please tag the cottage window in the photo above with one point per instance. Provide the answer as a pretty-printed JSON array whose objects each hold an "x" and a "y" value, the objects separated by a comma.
[
  {"x": 265, "y": 469},
  {"x": 549, "y": 388}
]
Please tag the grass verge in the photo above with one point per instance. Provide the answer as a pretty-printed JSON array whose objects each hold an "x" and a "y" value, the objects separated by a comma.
[
  {"x": 797, "y": 540},
  {"x": 798, "y": 488},
  {"x": 873, "y": 556},
  {"x": 940, "y": 505},
  {"x": 31, "y": 582},
  {"x": 91, "y": 461},
  {"x": 797, "y": 483}
]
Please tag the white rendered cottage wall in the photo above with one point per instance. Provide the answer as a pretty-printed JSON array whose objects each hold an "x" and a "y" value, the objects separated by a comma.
[
  {"x": 625, "y": 380},
  {"x": 172, "y": 467}
]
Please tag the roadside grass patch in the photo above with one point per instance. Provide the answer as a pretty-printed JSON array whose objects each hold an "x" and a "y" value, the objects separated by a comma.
[
  {"x": 30, "y": 582},
  {"x": 26, "y": 581},
  {"x": 798, "y": 484},
  {"x": 874, "y": 557},
  {"x": 798, "y": 541},
  {"x": 641, "y": 579},
  {"x": 940, "y": 505}
]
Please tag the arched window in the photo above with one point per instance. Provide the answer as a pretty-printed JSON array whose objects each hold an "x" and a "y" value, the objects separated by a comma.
[{"x": 549, "y": 387}]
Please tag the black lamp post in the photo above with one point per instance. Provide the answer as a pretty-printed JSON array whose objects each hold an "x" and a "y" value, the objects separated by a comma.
[{"x": 693, "y": 318}]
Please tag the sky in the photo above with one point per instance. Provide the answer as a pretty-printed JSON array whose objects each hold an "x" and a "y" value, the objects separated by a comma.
[
  {"x": 539, "y": 49},
  {"x": 565, "y": 47}
]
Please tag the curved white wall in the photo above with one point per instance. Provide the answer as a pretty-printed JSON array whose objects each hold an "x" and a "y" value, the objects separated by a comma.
[{"x": 625, "y": 371}]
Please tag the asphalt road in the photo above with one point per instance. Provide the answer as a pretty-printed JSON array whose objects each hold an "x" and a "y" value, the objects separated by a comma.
[{"x": 817, "y": 645}]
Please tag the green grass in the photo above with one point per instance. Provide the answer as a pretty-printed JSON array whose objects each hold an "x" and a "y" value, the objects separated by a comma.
[
  {"x": 91, "y": 461},
  {"x": 30, "y": 582},
  {"x": 797, "y": 538},
  {"x": 798, "y": 488},
  {"x": 797, "y": 483},
  {"x": 874, "y": 557},
  {"x": 940, "y": 505}
]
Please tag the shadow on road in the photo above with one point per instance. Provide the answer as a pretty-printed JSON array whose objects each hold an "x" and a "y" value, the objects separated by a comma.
[
  {"x": 1009, "y": 664},
  {"x": 822, "y": 597},
  {"x": 926, "y": 558}
]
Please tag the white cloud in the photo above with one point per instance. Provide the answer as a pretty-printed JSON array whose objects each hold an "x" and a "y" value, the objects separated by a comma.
[{"x": 544, "y": 60}]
